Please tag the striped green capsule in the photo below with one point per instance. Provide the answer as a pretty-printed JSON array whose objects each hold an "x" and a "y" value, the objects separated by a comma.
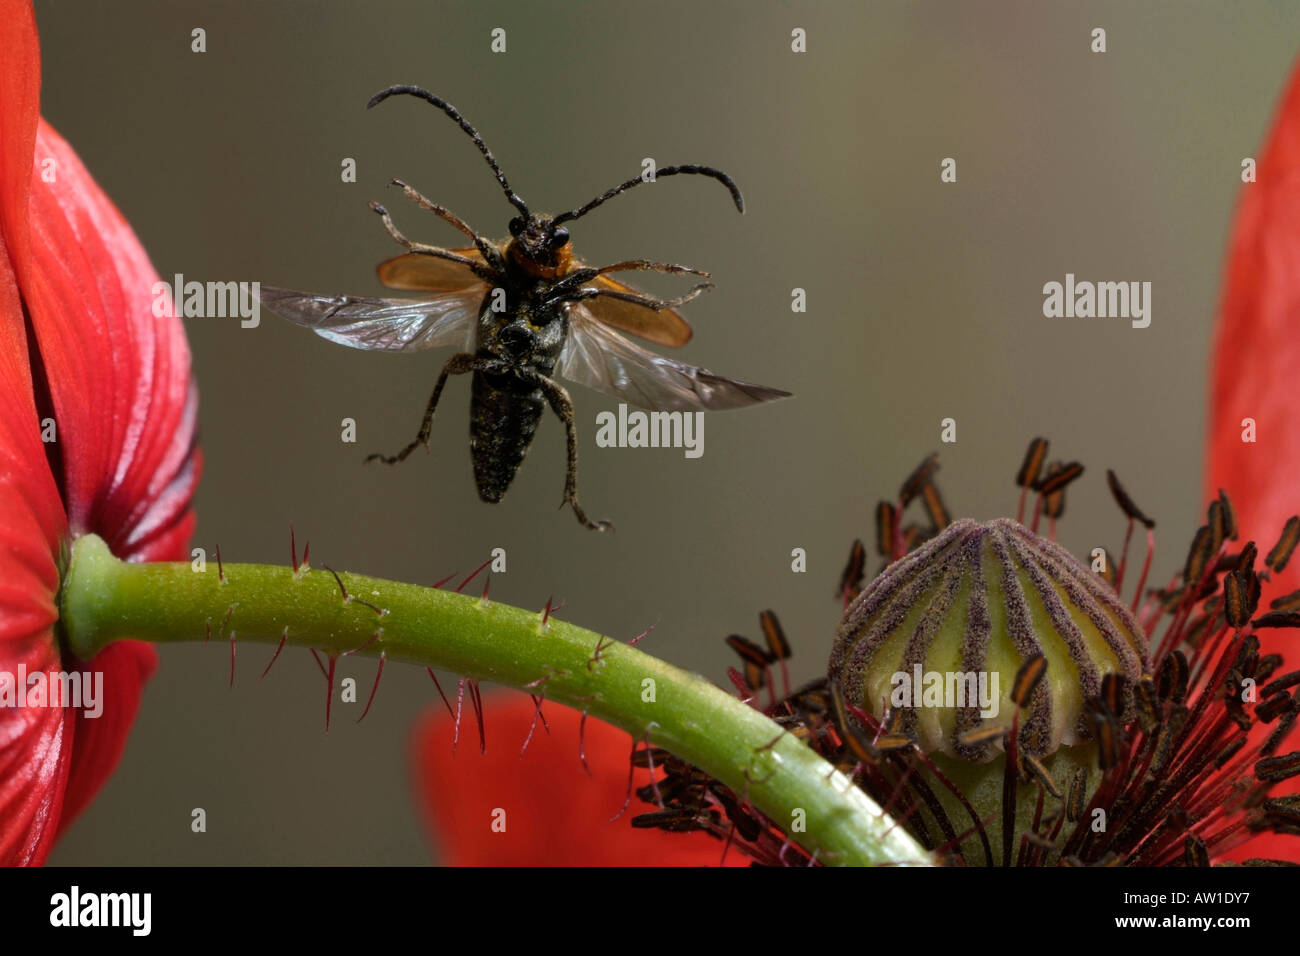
[{"x": 937, "y": 640}]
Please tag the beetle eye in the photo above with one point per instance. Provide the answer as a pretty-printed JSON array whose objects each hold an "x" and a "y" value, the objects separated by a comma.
[
  {"x": 516, "y": 225},
  {"x": 559, "y": 238}
]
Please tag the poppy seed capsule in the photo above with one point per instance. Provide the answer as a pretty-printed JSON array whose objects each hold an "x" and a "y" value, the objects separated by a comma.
[{"x": 937, "y": 639}]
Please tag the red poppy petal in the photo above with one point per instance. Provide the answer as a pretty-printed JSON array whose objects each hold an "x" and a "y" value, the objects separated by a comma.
[
  {"x": 1257, "y": 344},
  {"x": 120, "y": 386},
  {"x": 119, "y": 376},
  {"x": 555, "y": 814},
  {"x": 34, "y": 742},
  {"x": 1255, "y": 365},
  {"x": 20, "y": 90},
  {"x": 126, "y": 408},
  {"x": 126, "y": 665}
]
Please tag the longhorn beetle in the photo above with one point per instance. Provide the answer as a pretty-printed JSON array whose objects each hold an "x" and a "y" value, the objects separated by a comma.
[{"x": 522, "y": 310}]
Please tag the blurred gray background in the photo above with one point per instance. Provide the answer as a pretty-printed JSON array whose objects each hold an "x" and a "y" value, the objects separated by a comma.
[{"x": 924, "y": 301}]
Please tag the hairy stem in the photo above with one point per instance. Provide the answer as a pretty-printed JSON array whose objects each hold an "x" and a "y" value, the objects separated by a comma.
[{"x": 105, "y": 600}]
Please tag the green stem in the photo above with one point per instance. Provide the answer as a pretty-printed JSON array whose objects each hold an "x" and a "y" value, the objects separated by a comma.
[{"x": 105, "y": 600}]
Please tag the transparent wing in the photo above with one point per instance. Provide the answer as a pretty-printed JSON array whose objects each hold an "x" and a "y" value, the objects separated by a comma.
[
  {"x": 597, "y": 356},
  {"x": 387, "y": 325}
]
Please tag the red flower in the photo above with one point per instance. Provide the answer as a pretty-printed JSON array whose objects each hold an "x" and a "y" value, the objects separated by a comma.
[
  {"x": 553, "y": 813},
  {"x": 1257, "y": 343},
  {"x": 80, "y": 348},
  {"x": 1256, "y": 361}
]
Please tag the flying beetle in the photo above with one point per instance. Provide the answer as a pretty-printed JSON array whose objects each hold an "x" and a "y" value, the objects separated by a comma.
[{"x": 523, "y": 310}]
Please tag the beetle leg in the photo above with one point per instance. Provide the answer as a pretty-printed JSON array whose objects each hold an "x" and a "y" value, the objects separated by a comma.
[
  {"x": 457, "y": 365},
  {"x": 585, "y": 274},
  {"x": 641, "y": 300},
  {"x": 486, "y": 273},
  {"x": 562, "y": 405},
  {"x": 442, "y": 212}
]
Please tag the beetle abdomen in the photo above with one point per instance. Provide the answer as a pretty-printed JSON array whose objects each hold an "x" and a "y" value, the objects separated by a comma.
[{"x": 504, "y": 414}]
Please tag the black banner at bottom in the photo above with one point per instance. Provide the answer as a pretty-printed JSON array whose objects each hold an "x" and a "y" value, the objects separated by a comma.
[{"x": 335, "y": 904}]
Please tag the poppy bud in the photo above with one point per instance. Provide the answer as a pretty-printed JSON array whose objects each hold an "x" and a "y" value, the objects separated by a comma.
[{"x": 986, "y": 630}]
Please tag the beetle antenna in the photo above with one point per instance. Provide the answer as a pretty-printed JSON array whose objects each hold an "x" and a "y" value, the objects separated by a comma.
[
  {"x": 464, "y": 124},
  {"x": 709, "y": 171}
]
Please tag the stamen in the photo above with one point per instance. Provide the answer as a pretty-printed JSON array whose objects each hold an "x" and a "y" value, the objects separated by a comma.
[
  {"x": 1030, "y": 469},
  {"x": 1076, "y": 804},
  {"x": 1009, "y": 788},
  {"x": 978, "y": 736},
  {"x": 1057, "y": 480},
  {"x": 918, "y": 479},
  {"x": 1126, "y": 504},
  {"x": 778, "y": 646},
  {"x": 1123, "y": 556},
  {"x": 1194, "y": 852},
  {"x": 1172, "y": 677},
  {"x": 1284, "y": 682},
  {"x": 1273, "y": 707},
  {"x": 1218, "y": 526},
  {"x": 1229, "y": 516},
  {"x": 853, "y": 574},
  {"x": 744, "y": 690},
  {"x": 1288, "y": 602},
  {"x": 748, "y": 650},
  {"x": 1277, "y": 619},
  {"x": 886, "y": 528},
  {"x": 1277, "y": 769},
  {"x": 1147, "y": 703},
  {"x": 1041, "y": 772},
  {"x": 1146, "y": 567},
  {"x": 1197, "y": 556},
  {"x": 1112, "y": 694},
  {"x": 1027, "y": 679},
  {"x": 934, "y": 506},
  {"x": 775, "y": 636},
  {"x": 1234, "y": 600},
  {"x": 1277, "y": 558}
]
